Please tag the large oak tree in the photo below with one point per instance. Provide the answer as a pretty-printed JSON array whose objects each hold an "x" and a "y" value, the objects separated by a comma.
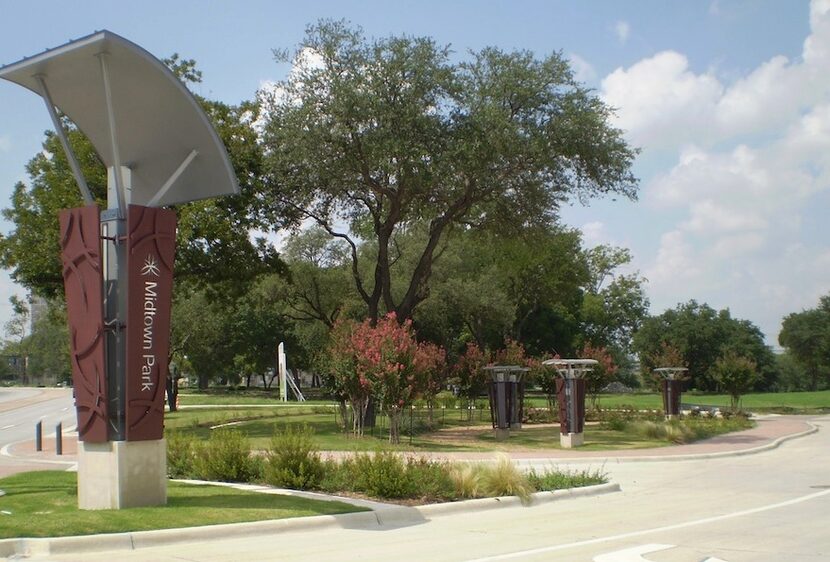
[{"x": 367, "y": 137}]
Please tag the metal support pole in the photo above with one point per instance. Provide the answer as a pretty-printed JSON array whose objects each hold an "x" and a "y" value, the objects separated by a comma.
[
  {"x": 114, "y": 231},
  {"x": 116, "y": 154},
  {"x": 59, "y": 439},
  {"x": 39, "y": 436},
  {"x": 70, "y": 154}
]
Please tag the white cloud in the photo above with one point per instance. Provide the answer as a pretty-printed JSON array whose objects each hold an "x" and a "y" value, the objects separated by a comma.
[
  {"x": 593, "y": 234},
  {"x": 582, "y": 69},
  {"x": 675, "y": 261},
  {"x": 623, "y": 30},
  {"x": 751, "y": 169},
  {"x": 659, "y": 101},
  {"x": 663, "y": 104}
]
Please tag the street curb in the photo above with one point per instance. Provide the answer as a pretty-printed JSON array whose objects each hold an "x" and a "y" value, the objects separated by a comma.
[
  {"x": 388, "y": 516},
  {"x": 670, "y": 458}
]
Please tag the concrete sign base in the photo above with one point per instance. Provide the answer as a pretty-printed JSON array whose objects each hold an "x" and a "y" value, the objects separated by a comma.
[
  {"x": 121, "y": 474},
  {"x": 501, "y": 434},
  {"x": 571, "y": 440}
]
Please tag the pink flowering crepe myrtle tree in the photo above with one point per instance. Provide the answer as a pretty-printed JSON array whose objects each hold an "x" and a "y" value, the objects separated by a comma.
[
  {"x": 384, "y": 362},
  {"x": 345, "y": 378},
  {"x": 387, "y": 356},
  {"x": 431, "y": 360}
]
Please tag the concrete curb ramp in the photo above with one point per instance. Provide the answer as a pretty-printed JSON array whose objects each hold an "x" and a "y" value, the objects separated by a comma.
[{"x": 390, "y": 516}]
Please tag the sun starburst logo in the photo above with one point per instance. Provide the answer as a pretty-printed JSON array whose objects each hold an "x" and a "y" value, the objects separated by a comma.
[{"x": 150, "y": 266}]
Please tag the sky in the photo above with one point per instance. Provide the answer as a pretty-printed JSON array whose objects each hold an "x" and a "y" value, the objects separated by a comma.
[{"x": 728, "y": 101}]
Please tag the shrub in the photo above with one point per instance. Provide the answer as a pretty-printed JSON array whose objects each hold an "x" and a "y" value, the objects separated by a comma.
[
  {"x": 613, "y": 421},
  {"x": 338, "y": 476},
  {"x": 293, "y": 460},
  {"x": 383, "y": 474},
  {"x": 538, "y": 415},
  {"x": 505, "y": 479},
  {"x": 446, "y": 399},
  {"x": 430, "y": 479},
  {"x": 226, "y": 457},
  {"x": 552, "y": 479},
  {"x": 181, "y": 451}
]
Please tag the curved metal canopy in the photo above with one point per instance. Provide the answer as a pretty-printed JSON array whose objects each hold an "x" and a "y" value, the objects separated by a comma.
[{"x": 136, "y": 113}]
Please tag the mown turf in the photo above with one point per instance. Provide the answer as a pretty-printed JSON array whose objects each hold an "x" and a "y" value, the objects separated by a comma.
[{"x": 44, "y": 504}]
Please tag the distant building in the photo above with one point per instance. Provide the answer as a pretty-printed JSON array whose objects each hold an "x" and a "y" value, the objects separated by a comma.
[{"x": 38, "y": 308}]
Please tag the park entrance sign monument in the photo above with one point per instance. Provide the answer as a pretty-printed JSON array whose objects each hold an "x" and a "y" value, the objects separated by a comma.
[{"x": 160, "y": 149}]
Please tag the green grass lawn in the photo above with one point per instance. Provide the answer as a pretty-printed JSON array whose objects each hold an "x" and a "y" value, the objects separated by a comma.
[
  {"x": 44, "y": 504},
  {"x": 259, "y": 423},
  {"x": 795, "y": 402},
  {"x": 454, "y": 435},
  {"x": 254, "y": 396}
]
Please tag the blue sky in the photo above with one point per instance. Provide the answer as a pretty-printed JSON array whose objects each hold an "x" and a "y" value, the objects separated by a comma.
[{"x": 729, "y": 101}]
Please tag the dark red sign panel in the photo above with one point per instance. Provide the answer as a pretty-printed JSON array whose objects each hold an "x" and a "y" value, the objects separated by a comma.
[
  {"x": 83, "y": 284},
  {"x": 151, "y": 242}
]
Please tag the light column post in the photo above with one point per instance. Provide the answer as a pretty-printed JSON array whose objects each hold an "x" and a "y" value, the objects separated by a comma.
[
  {"x": 505, "y": 393},
  {"x": 672, "y": 379},
  {"x": 570, "y": 396},
  {"x": 160, "y": 150}
]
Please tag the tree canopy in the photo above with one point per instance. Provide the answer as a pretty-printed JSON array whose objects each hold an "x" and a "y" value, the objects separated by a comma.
[
  {"x": 806, "y": 336},
  {"x": 702, "y": 335},
  {"x": 367, "y": 137}
]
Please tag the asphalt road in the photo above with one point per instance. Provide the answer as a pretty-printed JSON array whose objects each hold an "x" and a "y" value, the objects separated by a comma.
[
  {"x": 771, "y": 506},
  {"x": 22, "y": 408}
]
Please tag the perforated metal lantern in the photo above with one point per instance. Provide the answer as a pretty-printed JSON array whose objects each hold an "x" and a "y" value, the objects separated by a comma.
[
  {"x": 570, "y": 392},
  {"x": 672, "y": 386},
  {"x": 506, "y": 393}
]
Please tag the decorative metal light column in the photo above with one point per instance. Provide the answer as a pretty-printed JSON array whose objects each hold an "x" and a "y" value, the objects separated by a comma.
[
  {"x": 671, "y": 389},
  {"x": 570, "y": 396},
  {"x": 506, "y": 393}
]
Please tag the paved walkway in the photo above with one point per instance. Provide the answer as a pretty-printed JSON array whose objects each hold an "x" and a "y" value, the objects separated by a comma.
[{"x": 769, "y": 431}]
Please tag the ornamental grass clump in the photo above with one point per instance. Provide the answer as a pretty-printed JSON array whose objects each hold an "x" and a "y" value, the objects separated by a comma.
[
  {"x": 505, "y": 479},
  {"x": 466, "y": 479},
  {"x": 293, "y": 460}
]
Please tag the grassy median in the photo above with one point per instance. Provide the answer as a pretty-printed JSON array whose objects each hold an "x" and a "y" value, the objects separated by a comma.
[{"x": 45, "y": 504}]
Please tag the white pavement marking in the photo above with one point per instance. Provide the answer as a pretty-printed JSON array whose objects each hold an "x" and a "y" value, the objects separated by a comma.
[
  {"x": 8, "y": 426},
  {"x": 633, "y": 554},
  {"x": 600, "y": 540}
]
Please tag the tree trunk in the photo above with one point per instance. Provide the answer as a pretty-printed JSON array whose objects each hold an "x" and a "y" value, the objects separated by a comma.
[
  {"x": 359, "y": 407},
  {"x": 394, "y": 425}
]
